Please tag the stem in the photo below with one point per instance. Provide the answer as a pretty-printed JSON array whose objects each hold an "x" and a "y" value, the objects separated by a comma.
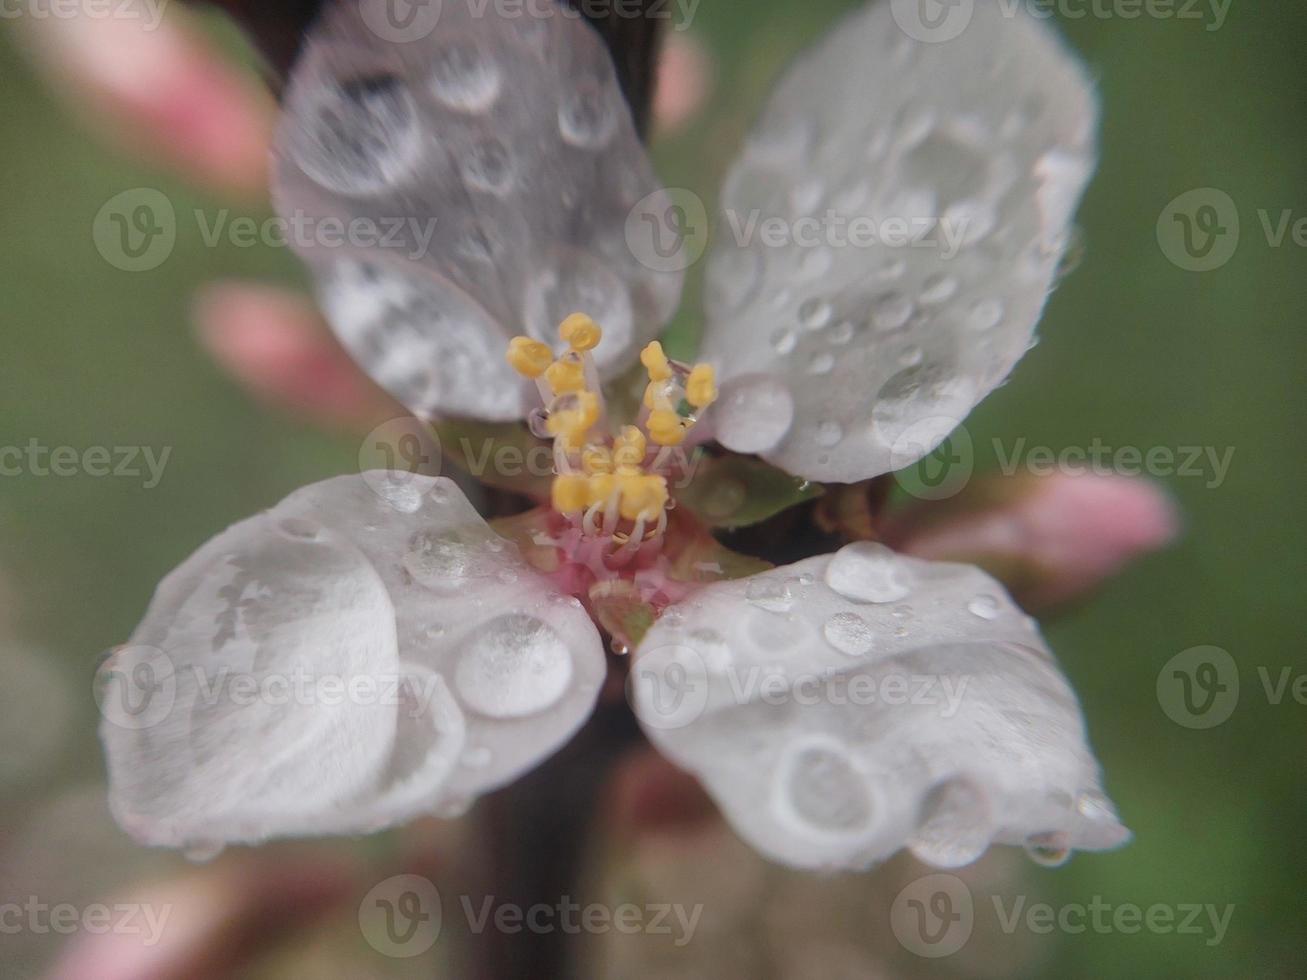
[{"x": 535, "y": 833}]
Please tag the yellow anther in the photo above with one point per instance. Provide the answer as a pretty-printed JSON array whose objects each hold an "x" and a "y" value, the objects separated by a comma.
[
  {"x": 582, "y": 333},
  {"x": 566, "y": 375},
  {"x": 570, "y": 493},
  {"x": 596, "y": 459},
  {"x": 528, "y": 357},
  {"x": 655, "y": 361},
  {"x": 642, "y": 496},
  {"x": 658, "y": 394},
  {"x": 572, "y": 416},
  {"x": 628, "y": 449},
  {"x": 701, "y": 386},
  {"x": 599, "y": 487},
  {"x": 665, "y": 428}
]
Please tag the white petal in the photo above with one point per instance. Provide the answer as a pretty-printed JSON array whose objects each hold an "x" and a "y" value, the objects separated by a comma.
[
  {"x": 918, "y": 197},
  {"x": 485, "y": 174},
  {"x": 847, "y": 706},
  {"x": 347, "y": 660}
]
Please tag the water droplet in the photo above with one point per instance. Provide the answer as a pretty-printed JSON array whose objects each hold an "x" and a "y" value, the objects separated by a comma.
[
  {"x": 587, "y": 117},
  {"x": 202, "y": 852},
  {"x": 770, "y": 592},
  {"x": 783, "y": 341},
  {"x": 712, "y": 650},
  {"x": 841, "y": 333},
  {"x": 819, "y": 789},
  {"x": 754, "y": 413},
  {"x": 829, "y": 433},
  {"x": 815, "y": 313},
  {"x": 911, "y": 356},
  {"x": 488, "y": 166},
  {"x": 513, "y": 666},
  {"x": 821, "y": 362},
  {"x": 866, "y": 572},
  {"x": 464, "y": 78},
  {"x": 938, "y": 288},
  {"x": 955, "y": 825},
  {"x": 434, "y": 632},
  {"x": 891, "y": 311},
  {"x": 985, "y": 314},
  {"x": 1051, "y": 848},
  {"x": 362, "y": 135},
  {"x": 300, "y": 528},
  {"x": 849, "y": 633},
  {"x": 444, "y": 560},
  {"x": 984, "y": 606},
  {"x": 403, "y": 496},
  {"x": 816, "y": 262}
]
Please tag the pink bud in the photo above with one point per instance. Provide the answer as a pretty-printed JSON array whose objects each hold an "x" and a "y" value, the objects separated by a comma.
[
  {"x": 1048, "y": 539},
  {"x": 275, "y": 343},
  {"x": 154, "y": 84}
]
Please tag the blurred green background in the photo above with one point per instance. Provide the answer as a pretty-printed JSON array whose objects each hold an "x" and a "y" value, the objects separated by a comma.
[{"x": 1134, "y": 351}]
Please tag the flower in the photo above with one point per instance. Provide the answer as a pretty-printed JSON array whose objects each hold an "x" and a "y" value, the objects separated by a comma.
[{"x": 370, "y": 649}]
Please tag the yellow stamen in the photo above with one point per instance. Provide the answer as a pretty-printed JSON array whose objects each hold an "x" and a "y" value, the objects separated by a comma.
[
  {"x": 581, "y": 332},
  {"x": 701, "y": 387},
  {"x": 569, "y": 493},
  {"x": 596, "y": 459},
  {"x": 566, "y": 375},
  {"x": 642, "y": 496},
  {"x": 655, "y": 361},
  {"x": 666, "y": 428},
  {"x": 629, "y": 449},
  {"x": 573, "y": 418},
  {"x": 529, "y": 358},
  {"x": 600, "y": 487}
]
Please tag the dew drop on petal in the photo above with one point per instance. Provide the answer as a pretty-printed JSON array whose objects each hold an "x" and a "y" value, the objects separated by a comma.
[
  {"x": 849, "y": 633},
  {"x": 891, "y": 311},
  {"x": 1051, "y": 848},
  {"x": 815, "y": 313},
  {"x": 955, "y": 825},
  {"x": 402, "y": 496},
  {"x": 769, "y": 592},
  {"x": 866, "y": 572},
  {"x": 301, "y": 528},
  {"x": 985, "y": 314},
  {"x": 754, "y": 414},
  {"x": 938, "y": 288},
  {"x": 829, "y": 433},
  {"x": 819, "y": 789},
  {"x": 984, "y": 606},
  {"x": 464, "y": 78},
  {"x": 513, "y": 666},
  {"x": 587, "y": 117}
]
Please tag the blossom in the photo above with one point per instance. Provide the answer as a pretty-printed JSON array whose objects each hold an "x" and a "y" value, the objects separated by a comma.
[{"x": 370, "y": 649}]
